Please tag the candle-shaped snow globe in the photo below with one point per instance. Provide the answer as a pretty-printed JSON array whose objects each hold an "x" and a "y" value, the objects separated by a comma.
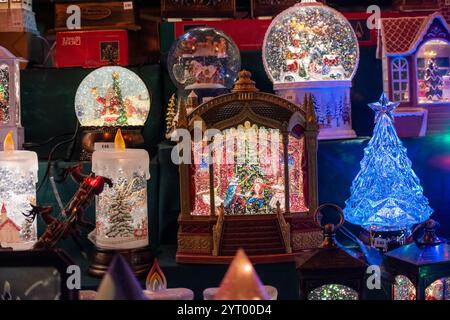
[
  {"x": 121, "y": 211},
  {"x": 18, "y": 177},
  {"x": 156, "y": 285}
]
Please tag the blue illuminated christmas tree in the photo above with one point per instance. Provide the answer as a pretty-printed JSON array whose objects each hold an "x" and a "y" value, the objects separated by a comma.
[{"x": 386, "y": 194}]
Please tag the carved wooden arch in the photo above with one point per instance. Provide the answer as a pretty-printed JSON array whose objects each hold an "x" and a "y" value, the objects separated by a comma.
[{"x": 246, "y": 98}]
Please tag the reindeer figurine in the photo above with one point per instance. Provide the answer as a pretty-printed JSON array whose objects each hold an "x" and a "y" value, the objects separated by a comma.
[{"x": 72, "y": 219}]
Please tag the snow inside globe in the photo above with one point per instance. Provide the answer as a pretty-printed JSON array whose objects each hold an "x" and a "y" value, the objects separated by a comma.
[
  {"x": 311, "y": 48},
  {"x": 204, "y": 58},
  {"x": 112, "y": 96},
  {"x": 310, "y": 41}
]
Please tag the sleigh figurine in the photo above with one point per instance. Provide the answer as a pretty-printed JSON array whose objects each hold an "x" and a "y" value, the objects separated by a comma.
[{"x": 69, "y": 222}]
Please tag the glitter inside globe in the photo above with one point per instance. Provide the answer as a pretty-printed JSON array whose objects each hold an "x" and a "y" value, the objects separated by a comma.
[
  {"x": 112, "y": 96},
  {"x": 310, "y": 42},
  {"x": 204, "y": 58},
  {"x": 333, "y": 292}
]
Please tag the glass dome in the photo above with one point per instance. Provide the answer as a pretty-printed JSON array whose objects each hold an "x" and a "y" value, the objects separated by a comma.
[
  {"x": 310, "y": 42},
  {"x": 204, "y": 58},
  {"x": 112, "y": 96}
]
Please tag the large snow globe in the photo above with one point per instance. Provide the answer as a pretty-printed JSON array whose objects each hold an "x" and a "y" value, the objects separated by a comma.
[
  {"x": 311, "y": 48},
  {"x": 204, "y": 60},
  {"x": 109, "y": 98}
]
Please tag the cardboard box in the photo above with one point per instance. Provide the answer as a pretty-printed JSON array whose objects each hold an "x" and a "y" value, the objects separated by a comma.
[
  {"x": 98, "y": 15},
  {"x": 26, "y": 45},
  {"x": 89, "y": 49},
  {"x": 16, "y": 4},
  {"x": 17, "y": 20}
]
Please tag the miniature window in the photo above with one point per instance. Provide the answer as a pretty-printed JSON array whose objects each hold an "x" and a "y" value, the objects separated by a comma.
[
  {"x": 438, "y": 290},
  {"x": 403, "y": 289},
  {"x": 248, "y": 165},
  {"x": 400, "y": 80},
  {"x": 433, "y": 72},
  {"x": 333, "y": 292}
]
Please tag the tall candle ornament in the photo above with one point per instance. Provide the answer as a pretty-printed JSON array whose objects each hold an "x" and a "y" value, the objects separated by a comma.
[
  {"x": 121, "y": 211},
  {"x": 18, "y": 177}
]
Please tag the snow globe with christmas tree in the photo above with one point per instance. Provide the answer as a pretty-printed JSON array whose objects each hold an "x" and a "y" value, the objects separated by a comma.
[
  {"x": 109, "y": 98},
  {"x": 204, "y": 60},
  {"x": 386, "y": 196},
  {"x": 311, "y": 48}
]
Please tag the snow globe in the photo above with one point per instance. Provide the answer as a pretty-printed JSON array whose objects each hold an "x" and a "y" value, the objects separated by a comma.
[
  {"x": 109, "y": 98},
  {"x": 204, "y": 60},
  {"x": 311, "y": 48}
]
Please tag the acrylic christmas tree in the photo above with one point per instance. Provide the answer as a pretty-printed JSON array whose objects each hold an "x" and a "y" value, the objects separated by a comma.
[{"x": 386, "y": 195}]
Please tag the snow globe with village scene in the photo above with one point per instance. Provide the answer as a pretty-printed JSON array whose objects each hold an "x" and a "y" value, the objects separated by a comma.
[
  {"x": 311, "y": 48},
  {"x": 203, "y": 62}
]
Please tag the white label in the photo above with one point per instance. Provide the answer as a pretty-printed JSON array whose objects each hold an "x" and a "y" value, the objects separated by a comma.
[
  {"x": 128, "y": 5},
  {"x": 103, "y": 146}
]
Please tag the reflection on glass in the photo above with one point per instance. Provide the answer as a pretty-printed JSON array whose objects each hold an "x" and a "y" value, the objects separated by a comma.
[
  {"x": 433, "y": 66},
  {"x": 404, "y": 289}
]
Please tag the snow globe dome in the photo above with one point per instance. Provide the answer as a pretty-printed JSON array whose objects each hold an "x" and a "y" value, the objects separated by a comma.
[
  {"x": 112, "y": 96},
  {"x": 204, "y": 58},
  {"x": 310, "y": 42}
]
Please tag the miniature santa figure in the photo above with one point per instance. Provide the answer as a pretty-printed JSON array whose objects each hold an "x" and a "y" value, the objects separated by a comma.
[
  {"x": 256, "y": 193},
  {"x": 110, "y": 102}
]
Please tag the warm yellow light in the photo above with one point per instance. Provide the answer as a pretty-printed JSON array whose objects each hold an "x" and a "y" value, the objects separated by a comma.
[
  {"x": 8, "y": 143},
  {"x": 119, "y": 143}
]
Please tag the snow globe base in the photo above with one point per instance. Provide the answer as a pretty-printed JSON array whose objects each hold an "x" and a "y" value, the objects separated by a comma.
[
  {"x": 331, "y": 103},
  {"x": 139, "y": 260},
  {"x": 92, "y": 135}
]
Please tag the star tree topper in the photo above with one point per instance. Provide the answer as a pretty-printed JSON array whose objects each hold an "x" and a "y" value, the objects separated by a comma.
[{"x": 383, "y": 106}]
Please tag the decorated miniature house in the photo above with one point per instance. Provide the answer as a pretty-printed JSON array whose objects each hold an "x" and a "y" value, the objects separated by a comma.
[
  {"x": 205, "y": 60},
  {"x": 416, "y": 72},
  {"x": 109, "y": 98},
  {"x": 258, "y": 189},
  {"x": 311, "y": 48},
  {"x": 10, "y": 97}
]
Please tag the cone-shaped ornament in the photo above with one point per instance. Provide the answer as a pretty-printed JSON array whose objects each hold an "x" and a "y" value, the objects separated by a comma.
[{"x": 241, "y": 282}]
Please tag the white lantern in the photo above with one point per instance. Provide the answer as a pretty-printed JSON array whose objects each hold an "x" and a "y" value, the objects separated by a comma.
[
  {"x": 10, "y": 97},
  {"x": 18, "y": 177},
  {"x": 311, "y": 48},
  {"x": 121, "y": 211}
]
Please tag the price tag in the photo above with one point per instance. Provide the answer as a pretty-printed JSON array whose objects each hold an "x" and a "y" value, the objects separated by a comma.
[
  {"x": 103, "y": 146},
  {"x": 128, "y": 5}
]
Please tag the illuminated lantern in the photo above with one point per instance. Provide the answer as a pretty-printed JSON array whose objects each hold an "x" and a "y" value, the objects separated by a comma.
[
  {"x": 18, "y": 178},
  {"x": 330, "y": 272},
  {"x": 421, "y": 270},
  {"x": 312, "y": 48},
  {"x": 10, "y": 97},
  {"x": 109, "y": 98},
  {"x": 121, "y": 211},
  {"x": 259, "y": 191},
  {"x": 205, "y": 60}
]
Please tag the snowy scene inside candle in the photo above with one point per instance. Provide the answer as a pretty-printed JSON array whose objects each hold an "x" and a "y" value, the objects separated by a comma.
[
  {"x": 121, "y": 211},
  {"x": 18, "y": 177}
]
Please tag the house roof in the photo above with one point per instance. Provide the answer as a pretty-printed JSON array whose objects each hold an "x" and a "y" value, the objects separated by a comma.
[
  {"x": 401, "y": 36},
  {"x": 9, "y": 221}
]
